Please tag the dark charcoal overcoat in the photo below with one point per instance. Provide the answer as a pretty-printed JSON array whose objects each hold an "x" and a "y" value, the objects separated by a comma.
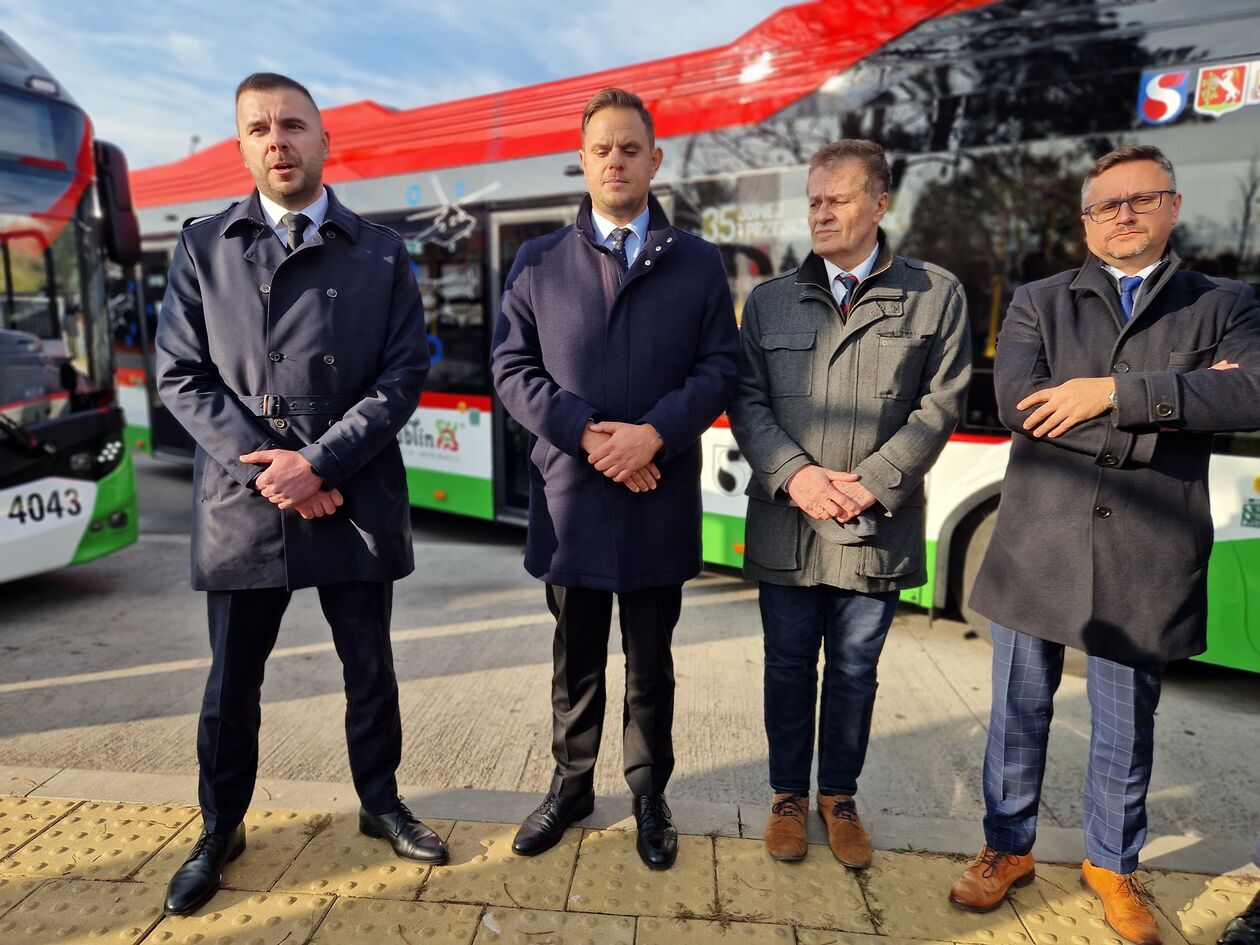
[
  {"x": 335, "y": 334},
  {"x": 575, "y": 342},
  {"x": 1103, "y": 534}
]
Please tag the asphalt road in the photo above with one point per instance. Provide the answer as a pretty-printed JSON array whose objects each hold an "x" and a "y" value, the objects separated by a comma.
[{"x": 101, "y": 667}]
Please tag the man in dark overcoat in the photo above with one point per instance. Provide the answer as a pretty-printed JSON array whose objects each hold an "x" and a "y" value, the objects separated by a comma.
[
  {"x": 292, "y": 348},
  {"x": 1113, "y": 379},
  {"x": 616, "y": 349}
]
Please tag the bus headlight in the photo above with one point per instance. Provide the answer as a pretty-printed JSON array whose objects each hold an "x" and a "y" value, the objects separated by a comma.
[{"x": 81, "y": 462}]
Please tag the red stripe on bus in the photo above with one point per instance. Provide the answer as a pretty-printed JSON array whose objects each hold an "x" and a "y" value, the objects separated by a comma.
[
  {"x": 42, "y": 399},
  {"x": 129, "y": 377},
  {"x": 978, "y": 438},
  {"x": 439, "y": 401}
]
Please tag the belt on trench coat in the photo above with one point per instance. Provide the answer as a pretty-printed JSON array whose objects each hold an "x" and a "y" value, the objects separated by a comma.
[{"x": 295, "y": 405}]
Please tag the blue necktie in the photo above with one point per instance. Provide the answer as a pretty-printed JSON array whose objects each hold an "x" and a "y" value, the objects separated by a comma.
[
  {"x": 849, "y": 282},
  {"x": 618, "y": 247},
  {"x": 1128, "y": 292}
]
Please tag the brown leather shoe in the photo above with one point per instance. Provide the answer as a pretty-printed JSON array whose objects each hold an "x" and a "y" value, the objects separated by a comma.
[
  {"x": 848, "y": 839},
  {"x": 785, "y": 830},
  {"x": 985, "y": 883},
  {"x": 1124, "y": 903}
]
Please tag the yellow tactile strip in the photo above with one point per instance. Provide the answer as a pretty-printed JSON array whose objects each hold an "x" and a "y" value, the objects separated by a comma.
[
  {"x": 13, "y": 889},
  {"x": 78, "y": 912},
  {"x": 610, "y": 878},
  {"x": 99, "y": 841},
  {"x": 907, "y": 894},
  {"x": 340, "y": 860},
  {"x": 245, "y": 918},
  {"x": 1055, "y": 908},
  {"x": 23, "y": 817},
  {"x": 364, "y": 921},
  {"x": 273, "y": 839},
  {"x": 1200, "y": 907},
  {"x": 530, "y": 927},
  {"x": 658, "y": 931},
  {"x": 825, "y": 937},
  {"x": 817, "y": 892},
  {"x": 484, "y": 869}
]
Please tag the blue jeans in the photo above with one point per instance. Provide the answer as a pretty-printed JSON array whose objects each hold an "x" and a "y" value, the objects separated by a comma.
[
  {"x": 1122, "y": 702},
  {"x": 851, "y": 628}
]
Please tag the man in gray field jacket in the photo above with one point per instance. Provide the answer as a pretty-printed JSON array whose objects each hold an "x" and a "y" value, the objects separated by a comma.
[
  {"x": 1112, "y": 379},
  {"x": 852, "y": 372}
]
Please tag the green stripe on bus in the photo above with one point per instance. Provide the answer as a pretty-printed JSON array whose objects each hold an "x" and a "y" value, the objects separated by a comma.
[
  {"x": 723, "y": 539},
  {"x": 451, "y": 492},
  {"x": 1234, "y": 605},
  {"x": 137, "y": 438},
  {"x": 115, "y": 492}
]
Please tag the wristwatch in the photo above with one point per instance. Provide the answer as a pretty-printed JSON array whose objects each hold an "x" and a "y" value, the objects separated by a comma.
[{"x": 1111, "y": 400}]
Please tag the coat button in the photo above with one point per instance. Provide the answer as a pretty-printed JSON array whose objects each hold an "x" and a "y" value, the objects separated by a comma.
[
  {"x": 1163, "y": 410},
  {"x": 332, "y": 293},
  {"x": 1110, "y": 459},
  {"x": 647, "y": 262},
  {"x": 330, "y": 234},
  {"x": 1102, "y": 511},
  {"x": 264, "y": 289},
  {"x": 1121, "y": 367},
  {"x": 658, "y": 248},
  {"x": 276, "y": 356},
  {"x": 279, "y": 423},
  {"x": 329, "y": 359},
  {"x": 331, "y": 422}
]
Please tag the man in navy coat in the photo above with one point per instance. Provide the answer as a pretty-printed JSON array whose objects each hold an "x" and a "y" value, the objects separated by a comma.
[
  {"x": 616, "y": 348},
  {"x": 292, "y": 348}
]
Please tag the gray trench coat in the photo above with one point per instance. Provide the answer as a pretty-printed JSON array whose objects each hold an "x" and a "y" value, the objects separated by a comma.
[
  {"x": 877, "y": 394},
  {"x": 322, "y": 351},
  {"x": 1103, "y": 535}
]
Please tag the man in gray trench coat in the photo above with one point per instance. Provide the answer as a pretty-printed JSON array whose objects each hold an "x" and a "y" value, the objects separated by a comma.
[
  {"x": 1113, "y": 379},
  {"x": 852, "y": 371},
  {"x": 292, "y": 348}
]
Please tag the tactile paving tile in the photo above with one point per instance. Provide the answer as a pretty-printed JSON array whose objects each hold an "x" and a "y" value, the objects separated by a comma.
[
  {"x": 908, "y": 895},
  {"x": 13, "y": 889},
  {"x": 372, "y": 921},
  {"x": 100, "y": 841},
  {"x": 530, "y": 927},
  {"x": 611, "y": 879},
  {"x": 1199, "y": 906},
  {"x": 76, "y": 912},
  {"x": 1058, "y": 910},
  {"x": 273, "y": 838},
  {"x": 654, "y": 931},
  {"x": 23, "y": 817},
  {"x": 341, "y": 860},
  {"x": 817, "y": 891},
  {"x": 484, "y": 869},
  {"x": 824, "y": 937},
  {"x": 234, "y": 917}
]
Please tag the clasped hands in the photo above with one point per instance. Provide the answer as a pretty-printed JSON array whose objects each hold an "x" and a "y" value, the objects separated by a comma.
[
  {"x": 291, "y": 483},
  {"x": 1061, "y": 408},
  {"x": 824, "y": 493},
  {"x": 623, "y": 452}
]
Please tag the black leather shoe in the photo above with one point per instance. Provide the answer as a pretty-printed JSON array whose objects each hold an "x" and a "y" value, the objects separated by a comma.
[
  {"x": 1245, "y": 928},
  {"x": 197, "y": 880},
  {"x": 410, "y": 839},
  {"x": 543, "y": 829},
  {"x": 658, "y": 838}
]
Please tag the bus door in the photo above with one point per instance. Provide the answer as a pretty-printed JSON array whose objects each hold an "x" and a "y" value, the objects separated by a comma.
[
  {"x": 510, "y": 229},
  {"x": 167, "y": 437}
]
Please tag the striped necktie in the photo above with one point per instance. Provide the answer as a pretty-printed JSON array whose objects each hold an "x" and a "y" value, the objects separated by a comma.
[{"x": 848, "y": 282}]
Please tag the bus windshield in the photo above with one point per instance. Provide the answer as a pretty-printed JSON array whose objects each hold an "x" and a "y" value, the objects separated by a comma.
[{"x": 49, "y": 247}]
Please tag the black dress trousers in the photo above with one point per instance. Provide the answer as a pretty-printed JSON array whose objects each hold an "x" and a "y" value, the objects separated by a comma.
[
  {"x": 243, "y": 628},
  {"x": 580, "y": 656}
]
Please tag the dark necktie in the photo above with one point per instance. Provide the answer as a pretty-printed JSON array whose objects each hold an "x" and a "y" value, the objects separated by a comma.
[
  {"x": 849, "y": 282},
  {"x": 618, "y": 247},
  {"x": 1128, "y": 293},
  {"x": 295, "y": 223}
]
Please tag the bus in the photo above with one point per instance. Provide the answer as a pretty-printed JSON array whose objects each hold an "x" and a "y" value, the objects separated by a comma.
[
  {"x": 67, "y": 487},
  {"x": 989, "y": 111}
]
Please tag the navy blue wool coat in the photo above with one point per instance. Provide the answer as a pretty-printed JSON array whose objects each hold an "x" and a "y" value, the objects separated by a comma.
[{"x": 577, "y": 340}]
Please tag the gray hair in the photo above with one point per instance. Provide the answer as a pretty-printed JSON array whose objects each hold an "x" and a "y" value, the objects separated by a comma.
[{"x": 878, "y": 177}]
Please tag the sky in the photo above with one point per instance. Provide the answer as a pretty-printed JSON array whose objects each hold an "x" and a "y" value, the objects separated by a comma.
[{"x": 154, "y": 74}]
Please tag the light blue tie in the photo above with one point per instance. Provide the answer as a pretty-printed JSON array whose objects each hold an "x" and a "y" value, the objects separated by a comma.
[{"x": 1128, "y": 292}]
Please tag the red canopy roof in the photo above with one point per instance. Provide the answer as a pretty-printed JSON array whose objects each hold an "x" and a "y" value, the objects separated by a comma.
[{"x": 785, "y": 57}]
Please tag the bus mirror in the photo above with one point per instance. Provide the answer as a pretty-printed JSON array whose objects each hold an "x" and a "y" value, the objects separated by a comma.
[{"x": 122, "y": 229}]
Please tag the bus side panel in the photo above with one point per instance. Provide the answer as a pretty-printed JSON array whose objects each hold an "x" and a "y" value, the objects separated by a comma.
[
  {"x": 447, "y": 450},
  {"x": 116, "y": 497}
]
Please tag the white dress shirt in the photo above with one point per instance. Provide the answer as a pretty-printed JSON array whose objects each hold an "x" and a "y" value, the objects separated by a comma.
[
  {"x": 315, "y": 212},
  {"x": 859, "y": 272},
  {"x": 634, "y": 242},
  {"x": 1144, "y": 275}
]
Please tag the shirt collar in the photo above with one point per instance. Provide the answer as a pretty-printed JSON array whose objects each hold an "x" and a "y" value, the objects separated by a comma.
[
  {"x": 604, "y": 226},
  {"x": 860, "y": 271},
  {"x": 316, "y": 211},
  {"x": 1143, "y": 274}
]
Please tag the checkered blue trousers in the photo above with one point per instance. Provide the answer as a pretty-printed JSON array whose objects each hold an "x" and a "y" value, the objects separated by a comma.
[{"x": 1122, "y": 701}]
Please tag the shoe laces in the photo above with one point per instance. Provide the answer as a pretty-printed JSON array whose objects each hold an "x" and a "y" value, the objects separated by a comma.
[
  {"x": 991, "y": 859},
  {"x": 652, "y": 814},
  {"x": 200, "y": 846},
  {"x": 845, "y": 810},
  {"x": 1130, "y": 884},
  {"x": 789, "y": 807},
  {"x": 548, "y": 803}
]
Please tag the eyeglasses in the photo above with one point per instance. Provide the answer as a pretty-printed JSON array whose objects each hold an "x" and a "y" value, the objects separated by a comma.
[{"x": 1139, "y": 203}]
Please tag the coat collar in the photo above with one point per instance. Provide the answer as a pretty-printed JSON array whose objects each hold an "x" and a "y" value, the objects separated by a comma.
[
  {"x": 248, "y": 213},
  {"x": 1092, "y": 277},
  {"x": 657, "y": 221},
  {"x": 877, "y": 296}
]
